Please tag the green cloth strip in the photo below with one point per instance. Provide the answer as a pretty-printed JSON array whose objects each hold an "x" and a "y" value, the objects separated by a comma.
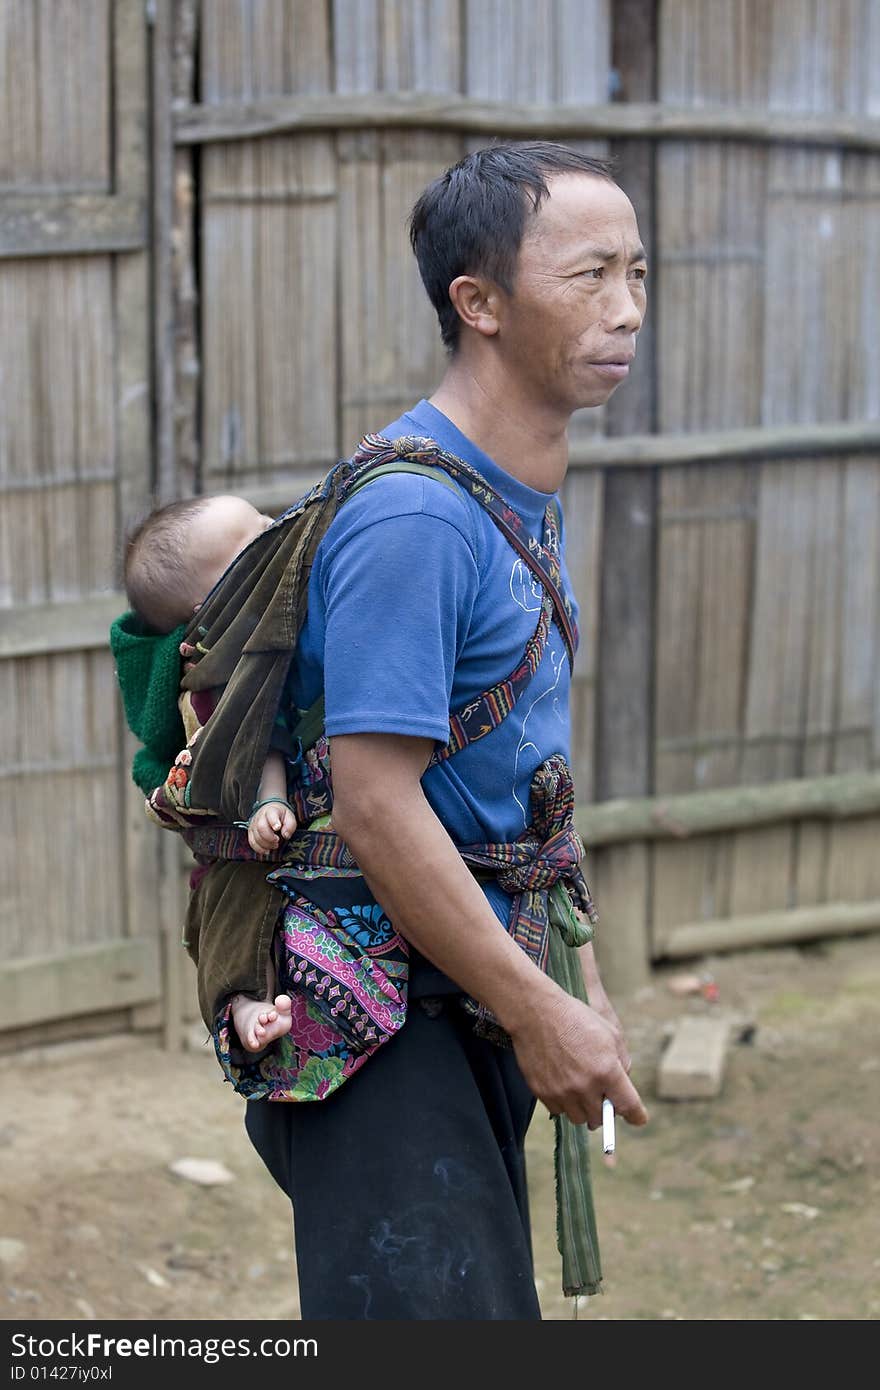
[
  {"x": 148, "y": 669},
  {"x": 576, "y": 1234}
]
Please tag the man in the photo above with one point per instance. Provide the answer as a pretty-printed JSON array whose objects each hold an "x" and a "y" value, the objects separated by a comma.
[{"x": 408, "y": 1186}]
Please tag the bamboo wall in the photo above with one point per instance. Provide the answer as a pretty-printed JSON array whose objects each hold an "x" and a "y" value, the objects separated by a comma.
[
  {"x": 79, "y": 931},
  {"x": 729, "y": 607},
  {"x": 315, "y": 325},
  {"x": 767, "y": 598},
  {"x": 235, "y": 314}
]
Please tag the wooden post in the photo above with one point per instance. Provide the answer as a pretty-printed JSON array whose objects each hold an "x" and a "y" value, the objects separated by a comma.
[
  {"x": 163, "y": 285},
  {"x": 171, "y": 904},
  {"x": 133, "y": 393},
  {"x": 173, "y": 33},
  {"x": 624, "y": 722},
  {"x": 187, "y": 363},
  {"x": 132, "y": 270}
]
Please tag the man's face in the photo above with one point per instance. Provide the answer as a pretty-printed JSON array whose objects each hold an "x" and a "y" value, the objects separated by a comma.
[{"x": 567, "y": 332}]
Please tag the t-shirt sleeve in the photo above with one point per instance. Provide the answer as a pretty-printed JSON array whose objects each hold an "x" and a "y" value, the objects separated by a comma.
[{"x": 398, "y": 592}]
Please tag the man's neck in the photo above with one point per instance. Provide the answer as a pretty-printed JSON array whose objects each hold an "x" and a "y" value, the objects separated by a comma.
[{"x": 526, "y": 441}]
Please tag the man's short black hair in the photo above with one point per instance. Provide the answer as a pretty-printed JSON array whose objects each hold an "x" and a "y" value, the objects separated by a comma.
[{"x": 471, "y": 220}]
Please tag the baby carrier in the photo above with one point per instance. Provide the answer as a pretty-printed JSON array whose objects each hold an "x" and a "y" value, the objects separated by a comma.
[{"x": 345, "y": 968}]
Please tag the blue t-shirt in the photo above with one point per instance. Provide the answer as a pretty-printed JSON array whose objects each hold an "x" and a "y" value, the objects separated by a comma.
[{"x": 417, "y": 604}]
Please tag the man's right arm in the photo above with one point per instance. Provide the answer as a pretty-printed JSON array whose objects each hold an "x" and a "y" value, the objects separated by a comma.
[{"x": 566, "y": 1051}]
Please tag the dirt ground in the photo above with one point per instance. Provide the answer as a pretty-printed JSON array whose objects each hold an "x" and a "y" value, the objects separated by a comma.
[{"x": 754, "y": 1205}]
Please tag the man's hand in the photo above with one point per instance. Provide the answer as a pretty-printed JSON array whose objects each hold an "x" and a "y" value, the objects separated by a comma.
[{"x": 569, "y": 1057}]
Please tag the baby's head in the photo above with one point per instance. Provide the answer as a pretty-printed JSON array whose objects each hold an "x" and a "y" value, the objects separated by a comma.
[{"x": 174, "y": 558}]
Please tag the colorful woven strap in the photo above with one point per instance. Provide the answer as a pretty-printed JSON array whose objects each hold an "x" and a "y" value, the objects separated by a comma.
[
  {"x": 479, "y": 717},
  {"x": 309, "y": 777},
  {"x": 547, "y": 854},
  {"x": 542, "y": 557},
  {"x": 482, "y": 715},
  {"x": 541, "y": 872}
]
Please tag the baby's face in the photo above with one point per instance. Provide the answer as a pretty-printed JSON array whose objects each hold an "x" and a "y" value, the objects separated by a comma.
[{"x": 221, "y": 531}]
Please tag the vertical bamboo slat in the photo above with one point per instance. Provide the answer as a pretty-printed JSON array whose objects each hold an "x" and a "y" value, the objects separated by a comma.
[
  {"x": 678, "y": 634},
  {"x": 582, "y": 503},
  {"x": 857, "y": 744},
  {"x": 187, "y": 368},
  {"x": 811, "y": 863},
  {"x": 55, "y": 98},
  {"x": 268, "y": 258},
  {"x": 757, "y": 250},
  {"x": 554, "y": 53},
  {"x": 58, "y": 459},
  {"x": 61, "y": 805},
  {"x": 558, "y": 51},
  {"x": 815, "y": 369},
  {"x": 161, "y": 235},
  {"x": 684, "y": 888},
  {"x": 57, "y": 397},
  {"x": 390, "y": 350},
  {"x": 136, "y": 480},
  {"x": 624, "y": 697},
  {"x": 702, "y": 617}
]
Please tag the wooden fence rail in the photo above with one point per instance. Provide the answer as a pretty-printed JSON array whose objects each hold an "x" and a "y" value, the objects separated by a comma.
[
  {"x": 772, "y": 928},
  {"x": 199, "y": 124},
  {"x": 730, "y": 808},
  {"x": 658, "y": 451},
  {"x": 70, "y": 224}
]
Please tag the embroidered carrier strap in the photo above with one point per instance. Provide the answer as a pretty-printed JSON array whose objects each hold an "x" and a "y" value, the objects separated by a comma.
[
  {"x": 485, "y": 713},
  {"x": 542, "y": 557},
  {"x": 312, "y": 796},
  {"x": 547, "y": 854}
]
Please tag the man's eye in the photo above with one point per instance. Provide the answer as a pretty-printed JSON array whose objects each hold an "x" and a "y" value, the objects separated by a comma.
[
  {"x": 639, "y": 271},
  {"x": 597, "y": 272}
]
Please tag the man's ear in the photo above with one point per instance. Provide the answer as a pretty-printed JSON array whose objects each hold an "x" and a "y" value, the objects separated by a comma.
[{"x": 475, "y": 300}]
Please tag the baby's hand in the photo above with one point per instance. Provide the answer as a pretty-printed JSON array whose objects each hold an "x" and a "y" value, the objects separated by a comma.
[{"x": 268, "y": 825}]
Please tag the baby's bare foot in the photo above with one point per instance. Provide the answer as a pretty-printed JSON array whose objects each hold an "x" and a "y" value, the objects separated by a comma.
[{"x": 259, "y": 1022}]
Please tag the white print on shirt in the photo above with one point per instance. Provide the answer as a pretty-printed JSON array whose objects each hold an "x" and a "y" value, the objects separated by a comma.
[{"x": 523, "y": 588}]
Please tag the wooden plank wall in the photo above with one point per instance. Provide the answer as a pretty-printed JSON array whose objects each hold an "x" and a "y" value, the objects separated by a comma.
[
  {"x": 74, "y": 396},
  {"x": 740, "y": 661},
  {"x": 389, "y": 353},
  {"x": 767, "y": 586},
  {"x": 285, "y": 289},
  {"x": 556, "y": 54},
  {"x": 268, "y": 263},
  {"x": 315, "y": 324}
]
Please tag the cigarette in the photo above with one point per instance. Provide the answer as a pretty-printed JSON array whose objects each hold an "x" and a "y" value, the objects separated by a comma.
[{"x": 607, "y": 1127}]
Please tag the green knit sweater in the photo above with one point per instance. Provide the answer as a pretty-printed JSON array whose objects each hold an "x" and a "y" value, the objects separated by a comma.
[{"x": 148, "y": 669}]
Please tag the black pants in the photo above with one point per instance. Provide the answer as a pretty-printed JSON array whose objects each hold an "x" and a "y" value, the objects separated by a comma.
[{"x": 409, "y": 1185}]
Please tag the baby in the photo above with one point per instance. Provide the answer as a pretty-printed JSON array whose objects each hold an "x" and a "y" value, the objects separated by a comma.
[{"x": 173, "y": 559}]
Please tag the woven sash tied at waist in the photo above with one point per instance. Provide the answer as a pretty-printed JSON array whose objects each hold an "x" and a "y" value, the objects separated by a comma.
[
  {"x": 540, "y": 870},
  {"x": 541, "y": 865},
  {"x": 528, "y": 865},
  {"x": 549, "y": 902}
]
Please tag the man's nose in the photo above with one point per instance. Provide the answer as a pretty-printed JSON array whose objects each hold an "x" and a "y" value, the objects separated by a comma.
[{"x": 623, "y": 314}]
